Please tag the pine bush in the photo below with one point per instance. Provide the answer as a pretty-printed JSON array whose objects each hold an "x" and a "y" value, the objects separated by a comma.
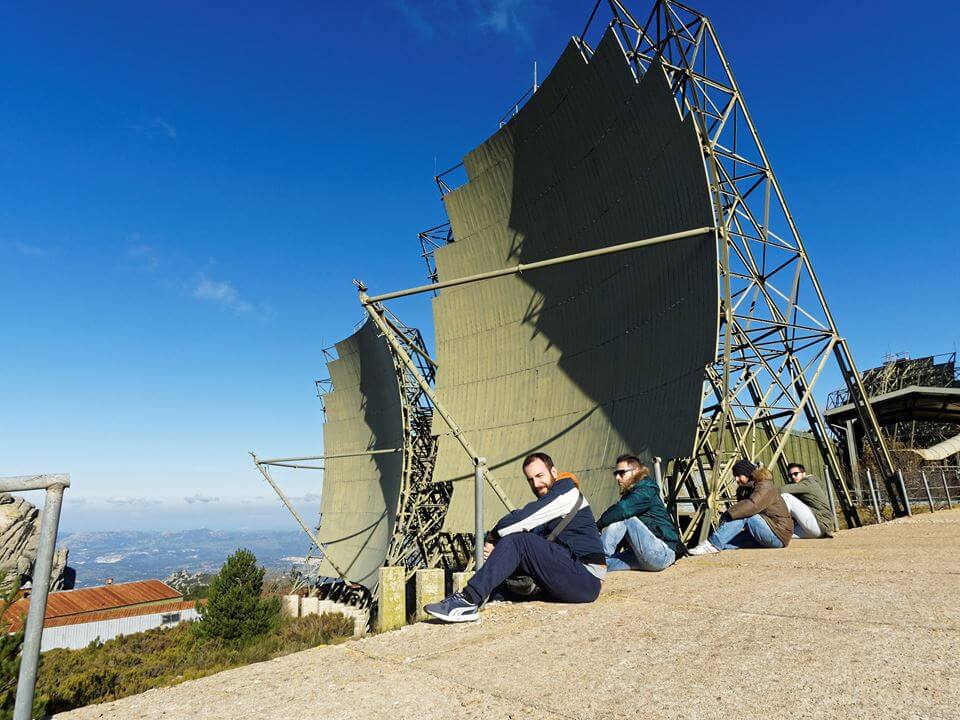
[{"x": 235, "y": 607}]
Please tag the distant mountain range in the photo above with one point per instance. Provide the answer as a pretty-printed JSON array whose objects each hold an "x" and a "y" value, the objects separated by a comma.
[{"x": 128, "y": 556}]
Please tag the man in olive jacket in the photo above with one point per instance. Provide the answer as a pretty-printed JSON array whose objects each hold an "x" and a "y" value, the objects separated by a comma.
[
  {"x": 639, "y": 521},
  {"x": 808, "y": 504},
  {"x": 760, "y": 517}
]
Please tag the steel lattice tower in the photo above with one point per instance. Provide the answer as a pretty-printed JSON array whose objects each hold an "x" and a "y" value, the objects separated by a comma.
[{"x": 776, "y": 331}]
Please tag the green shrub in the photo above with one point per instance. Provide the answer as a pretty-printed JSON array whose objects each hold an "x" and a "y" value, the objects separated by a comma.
[{"x": 235, "y": 608}]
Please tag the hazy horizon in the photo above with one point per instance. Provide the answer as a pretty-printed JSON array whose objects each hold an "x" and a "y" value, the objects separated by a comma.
[{"x": 123, "y": 513}]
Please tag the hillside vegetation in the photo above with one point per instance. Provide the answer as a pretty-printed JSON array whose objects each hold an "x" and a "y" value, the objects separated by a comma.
[
  {"x": 240, "y": 624},
  {"x": 156, "y": 658}
]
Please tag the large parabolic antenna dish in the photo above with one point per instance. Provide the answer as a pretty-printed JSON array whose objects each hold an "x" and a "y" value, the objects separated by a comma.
[
  {"x": 593, "y": 358},
  {"x": 361, "y": 492}
]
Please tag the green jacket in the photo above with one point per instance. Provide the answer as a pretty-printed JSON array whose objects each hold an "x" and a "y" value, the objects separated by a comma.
[
  {"x": 643, "y": 502},
  {"x": 811, "y": 493}
]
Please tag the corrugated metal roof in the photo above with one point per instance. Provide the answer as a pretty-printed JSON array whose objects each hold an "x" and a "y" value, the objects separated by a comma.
[
  {"x": 115, "y": 614},
  {"x": 928, "y": 404},
  {"x": 96, "y": 599}
]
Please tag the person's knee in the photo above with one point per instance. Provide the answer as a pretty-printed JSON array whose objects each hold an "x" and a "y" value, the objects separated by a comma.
[
  {"x": 517, "y": 541},
  {"x": 508, "y": 541},
  {"x": 756, "y": 525}
]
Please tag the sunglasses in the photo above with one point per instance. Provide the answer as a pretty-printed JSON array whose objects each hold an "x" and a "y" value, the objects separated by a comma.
[
  {"x": 796, "y": 472},
  {"x": 621, "y": 473}
]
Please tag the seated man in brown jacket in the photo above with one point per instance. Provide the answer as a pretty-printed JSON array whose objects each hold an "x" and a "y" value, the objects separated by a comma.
[{"x": 760, "y": 517}]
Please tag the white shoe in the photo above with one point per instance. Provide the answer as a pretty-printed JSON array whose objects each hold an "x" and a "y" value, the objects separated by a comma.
[{"x": 704, "y": 548}]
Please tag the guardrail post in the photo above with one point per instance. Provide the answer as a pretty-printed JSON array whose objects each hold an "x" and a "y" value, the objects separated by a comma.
[
  {"x": 873, "y": 496},
  {"x": 658, "y": 475},
  {"x": 926, "y": 486},
  {"x": 30, "y": 657},
  {"x": 478, "y": 511},
  {"x": 903, "y": 489}
]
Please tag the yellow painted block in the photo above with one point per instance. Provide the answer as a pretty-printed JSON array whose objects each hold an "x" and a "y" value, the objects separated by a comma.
[
  {"x": 392, "y": 605},
  {"x": 460, "y": 580},
  {"x": 429, "y": 590}
]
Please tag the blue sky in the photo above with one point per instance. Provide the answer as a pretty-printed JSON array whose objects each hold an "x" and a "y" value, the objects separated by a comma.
[{"x": 189, "y": 189}]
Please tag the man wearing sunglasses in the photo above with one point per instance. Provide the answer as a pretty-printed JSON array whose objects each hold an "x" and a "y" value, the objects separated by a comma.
[
  {"x": 808, "y": 504},
  {"x": 637, "y": 532}
]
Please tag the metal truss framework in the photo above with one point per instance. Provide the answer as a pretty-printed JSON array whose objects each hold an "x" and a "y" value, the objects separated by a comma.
[
  {"x": 418, "y": 539},
  {"x": 430, "y": 240},
  {"x": 776, "y": 332}
]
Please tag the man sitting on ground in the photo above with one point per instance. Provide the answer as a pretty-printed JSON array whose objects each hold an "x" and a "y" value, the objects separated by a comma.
[
  {"x": 759, "y": 518},
  {"x": 808, "y": 504},
  {"x": 567, "y": 566},
  {"x": 639, "y": 520}
]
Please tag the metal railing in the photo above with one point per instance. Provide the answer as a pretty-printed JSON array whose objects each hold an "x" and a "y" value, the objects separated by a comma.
[
  {"x": 40, "y": 587},
  {"x": 928, "y": 489}
]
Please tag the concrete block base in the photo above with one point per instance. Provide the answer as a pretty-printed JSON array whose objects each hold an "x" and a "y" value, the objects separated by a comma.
[
  {"x": 429, "y": 589},
  {"x": 309, "y": 606},
  {"x": 460, "y": 580},
  {"x": 290, "y": 605},
  {"x": 392, "y": 605}
]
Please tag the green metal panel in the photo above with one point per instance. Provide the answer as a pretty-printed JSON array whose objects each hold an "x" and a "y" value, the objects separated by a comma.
[
  {"x": 589, "y": 359},
  {"x": 800, "y": 447},
  {"x": 360, "y": 494}
]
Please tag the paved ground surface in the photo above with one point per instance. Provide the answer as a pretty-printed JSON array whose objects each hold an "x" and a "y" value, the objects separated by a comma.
[{"x": 866, "y": 625}]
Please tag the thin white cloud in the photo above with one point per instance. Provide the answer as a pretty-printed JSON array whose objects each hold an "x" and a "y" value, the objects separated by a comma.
[
  {"x": 145, "y": 256},
  {"x": 166, "y": 128},
  {"x": 129, "y": 500},
  {"x": 307, "y": 497},
  {"x": 501, "y": 16},
  {"x": 414, "y": 14},
  {"x": 427, "y": 18},
  {"x": 219, "y": 292},
  {"x": 203, "y": 499},
  {"x": 156, "y": 127},
  {"x": 31, "y": 251}
]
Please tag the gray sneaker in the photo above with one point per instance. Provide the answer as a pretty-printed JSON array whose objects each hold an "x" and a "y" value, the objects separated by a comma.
[{"x": 454, "y": 608}]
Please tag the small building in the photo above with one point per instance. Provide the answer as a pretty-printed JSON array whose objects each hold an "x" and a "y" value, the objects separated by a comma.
[{"x": 75, "y": 618}]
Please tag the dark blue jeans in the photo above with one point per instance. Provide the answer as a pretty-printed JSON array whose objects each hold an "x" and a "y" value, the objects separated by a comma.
[{"x": 552, "y": 567}]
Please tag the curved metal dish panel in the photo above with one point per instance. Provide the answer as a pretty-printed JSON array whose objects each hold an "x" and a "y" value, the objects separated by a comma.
[
  {"x": 589, "y": 359},
  {"x": 360, "y": 494}
]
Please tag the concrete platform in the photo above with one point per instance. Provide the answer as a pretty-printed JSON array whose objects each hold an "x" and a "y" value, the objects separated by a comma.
[{"x": 866, "y": 625}]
